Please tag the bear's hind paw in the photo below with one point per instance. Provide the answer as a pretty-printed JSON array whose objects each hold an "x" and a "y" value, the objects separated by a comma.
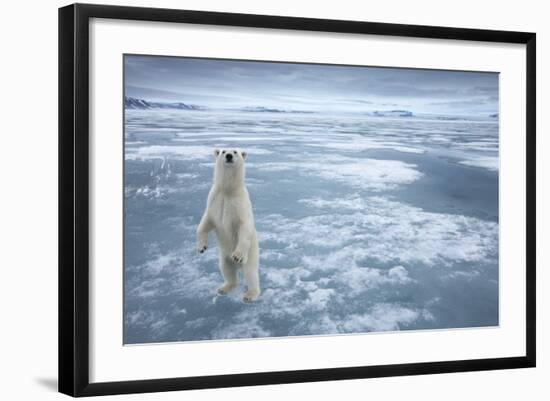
[
  {"x": 250, "y": 296},
  {"x": 225, "y": 289}
]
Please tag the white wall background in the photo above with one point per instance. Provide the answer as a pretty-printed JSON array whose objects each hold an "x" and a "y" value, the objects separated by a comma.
[{"x": 28, "y": 199}]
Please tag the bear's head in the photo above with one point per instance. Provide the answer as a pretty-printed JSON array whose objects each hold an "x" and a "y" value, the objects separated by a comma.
[{"x": 229, "y": 171}]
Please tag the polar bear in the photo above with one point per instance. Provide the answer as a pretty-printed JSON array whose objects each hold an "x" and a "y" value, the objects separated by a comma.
[{"x": 229, "y": 214}]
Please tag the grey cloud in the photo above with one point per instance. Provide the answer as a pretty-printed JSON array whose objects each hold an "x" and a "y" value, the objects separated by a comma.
[{"x": 245, "y": 83}]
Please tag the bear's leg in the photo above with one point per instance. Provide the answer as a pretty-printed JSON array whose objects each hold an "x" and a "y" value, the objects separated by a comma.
[
  {"x": 229, "y": 273},
  {"x": 202, "y": 233},
  {"x": 252, "y": 279},
  {"x": 240, "y": 254}
]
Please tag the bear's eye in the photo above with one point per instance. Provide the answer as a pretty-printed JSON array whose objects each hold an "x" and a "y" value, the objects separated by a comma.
[
  {"x": 234, "y": 152},
  {"x": 223, "y": 152}
]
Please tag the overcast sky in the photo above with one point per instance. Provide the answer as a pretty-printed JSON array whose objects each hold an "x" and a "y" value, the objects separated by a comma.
[{"x": 309, "y": 87}]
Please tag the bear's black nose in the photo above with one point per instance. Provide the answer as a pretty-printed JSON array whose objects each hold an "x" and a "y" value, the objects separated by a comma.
[{"x": 229, "y": 157}]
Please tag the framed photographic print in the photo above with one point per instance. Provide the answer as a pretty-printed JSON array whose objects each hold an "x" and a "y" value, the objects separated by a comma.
[{"x": 250, "y": 199}]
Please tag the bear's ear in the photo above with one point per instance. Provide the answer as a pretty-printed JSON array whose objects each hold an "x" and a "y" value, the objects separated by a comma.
[
  {"x": 216, "y": 152},
  {"x": 244, "y": 154}
]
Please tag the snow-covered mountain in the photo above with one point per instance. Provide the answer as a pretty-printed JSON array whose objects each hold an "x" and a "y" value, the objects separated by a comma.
[{"x": 140, "y": 104}]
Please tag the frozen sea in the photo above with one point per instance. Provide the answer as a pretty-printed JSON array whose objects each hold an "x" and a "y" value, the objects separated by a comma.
[{"x": 365, "y": 224}]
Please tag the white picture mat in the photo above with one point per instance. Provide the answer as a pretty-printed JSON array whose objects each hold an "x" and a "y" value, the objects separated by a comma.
[{"x": 111, "y": 361}]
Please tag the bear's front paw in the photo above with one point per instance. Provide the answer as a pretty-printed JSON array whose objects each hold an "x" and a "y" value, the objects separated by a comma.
[
  {"x": 238, "y": 257},
  {"x": 201, "y": 247}
]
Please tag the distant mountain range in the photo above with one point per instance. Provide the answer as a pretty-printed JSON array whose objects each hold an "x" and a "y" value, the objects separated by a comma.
[
  {"x": 393, "y": 113},
  {"x": 261, "y": 109},
  {"x": 133, "y": 103}
]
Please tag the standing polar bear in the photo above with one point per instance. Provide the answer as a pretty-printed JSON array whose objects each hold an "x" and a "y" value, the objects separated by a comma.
[{"x": 229, "y": 214}]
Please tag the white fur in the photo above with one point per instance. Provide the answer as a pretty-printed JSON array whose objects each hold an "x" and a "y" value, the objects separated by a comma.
[{"x": 229, "y": 214}]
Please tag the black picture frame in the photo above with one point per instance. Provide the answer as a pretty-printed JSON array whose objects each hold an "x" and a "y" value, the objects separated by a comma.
[{"x": 74, "y": 198}]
